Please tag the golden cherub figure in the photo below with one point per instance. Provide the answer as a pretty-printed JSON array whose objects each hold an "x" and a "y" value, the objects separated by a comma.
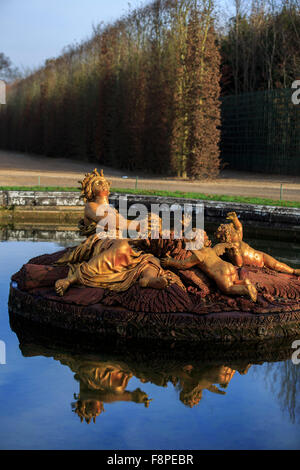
[
  {"x": 240, "y": 253},
  {"x": 95, "y": 190},
  {"x": 224, "y": 274}
]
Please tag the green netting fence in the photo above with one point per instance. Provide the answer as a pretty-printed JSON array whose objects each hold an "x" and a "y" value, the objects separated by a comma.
[{"x": 261, "y": 132}]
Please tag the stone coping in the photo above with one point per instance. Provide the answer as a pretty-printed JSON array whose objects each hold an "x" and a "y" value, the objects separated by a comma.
[{"x": 42, "y": 201}]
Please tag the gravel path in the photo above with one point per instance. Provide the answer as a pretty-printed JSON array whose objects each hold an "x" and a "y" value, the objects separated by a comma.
[{"x": 20, "y": 169}]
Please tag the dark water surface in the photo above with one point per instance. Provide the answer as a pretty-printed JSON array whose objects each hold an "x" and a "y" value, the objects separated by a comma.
[{"x": 195, "y": 404}]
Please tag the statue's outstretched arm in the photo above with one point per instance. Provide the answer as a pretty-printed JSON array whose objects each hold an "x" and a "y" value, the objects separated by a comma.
[
  {"x": 236, "y": 257},
  {"x": 117, "y": 220},
  {"x": 214, "y": 389},
  {"x": 220, "y": 248},
  {"x": 90, "y": 211},
  {"x": 233, "y": 252},
  {"x": 181, "y": 265},
  {"x": 237, "y": 224}
]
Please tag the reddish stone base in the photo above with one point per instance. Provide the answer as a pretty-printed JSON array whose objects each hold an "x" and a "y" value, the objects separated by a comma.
[{"x": 199, "y": 313}]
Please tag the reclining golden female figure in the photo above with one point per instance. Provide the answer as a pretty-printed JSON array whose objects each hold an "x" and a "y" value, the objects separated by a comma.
[
  {"x": 112, "y": 264},
  {"x": 241, "y": 253},
  {"x": 116, "y": 266},
  {"x": 95, "y": 189},
  {"x": 224, "y": 274}
]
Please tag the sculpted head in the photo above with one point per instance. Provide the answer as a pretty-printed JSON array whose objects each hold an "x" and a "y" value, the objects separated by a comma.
[
  {"x": 191, "y": 398},
  {"x": 94, "y": 185},
  {"x": 88, "y": 410},
  {"x": 226, "y": 233}
]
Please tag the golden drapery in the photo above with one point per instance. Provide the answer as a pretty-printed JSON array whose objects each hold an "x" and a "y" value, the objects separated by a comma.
[
  {"x": 98, "y": 375},
  {"x": 108, "y": 263},
  {"x": 87, "y": 230}
]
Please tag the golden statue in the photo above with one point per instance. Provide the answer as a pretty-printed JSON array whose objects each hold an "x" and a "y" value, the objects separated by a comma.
[
  {"x": 116, "y": 263},
  {"x": 106, "y": 381},
  {"x": 104, "y": 378},
  {"x": 240, "y": 253},
  {"x": 112, "y": 264},
  {"x": 95, "y": 190},
  {"x": 224, "y": 274},
  {"x": 102, "y": 383}
]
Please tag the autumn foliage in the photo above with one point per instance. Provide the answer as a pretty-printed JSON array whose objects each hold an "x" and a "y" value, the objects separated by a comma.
[{"x": 141, "y": 94}]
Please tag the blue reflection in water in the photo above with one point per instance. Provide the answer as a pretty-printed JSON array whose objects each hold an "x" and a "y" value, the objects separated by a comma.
[{"x": 257, "y": 407}]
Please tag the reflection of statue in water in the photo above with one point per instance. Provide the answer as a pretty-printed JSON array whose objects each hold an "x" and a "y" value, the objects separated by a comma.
[
  {"x": 240, "y": 253},
  {"x": 224, "y": 274},
  {"x": 112, "y": 264},
  {"x": 106, "y": 382},
  {"x": 192, "y": 379},
  {"x": 104, "y": 377},
  {"x": 192, "y": 388},
  {"x": 102, "y": 383}
]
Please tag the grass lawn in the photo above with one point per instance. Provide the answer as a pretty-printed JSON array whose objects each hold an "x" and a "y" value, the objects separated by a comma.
[{"x": 179, "y": 194}]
